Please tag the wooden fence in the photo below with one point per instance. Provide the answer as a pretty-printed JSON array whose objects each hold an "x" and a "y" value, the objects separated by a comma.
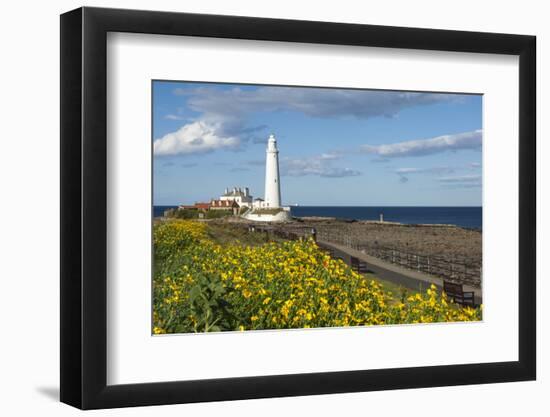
[{"x": 451, "y": 268}]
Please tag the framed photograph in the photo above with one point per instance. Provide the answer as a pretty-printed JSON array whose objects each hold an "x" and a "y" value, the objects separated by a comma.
[{"x": 257, "y": 208}]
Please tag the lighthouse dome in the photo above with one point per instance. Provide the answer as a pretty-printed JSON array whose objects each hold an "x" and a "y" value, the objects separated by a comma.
[{"x": 272, "y": 143}]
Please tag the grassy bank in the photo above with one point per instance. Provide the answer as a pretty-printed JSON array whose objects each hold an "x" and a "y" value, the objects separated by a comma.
[
  {"x": 191, "y": 214},
  {"x": 211, "y": 277}
]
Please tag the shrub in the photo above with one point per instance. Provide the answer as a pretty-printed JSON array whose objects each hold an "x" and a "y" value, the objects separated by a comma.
[{"x": 217, "y": 214}]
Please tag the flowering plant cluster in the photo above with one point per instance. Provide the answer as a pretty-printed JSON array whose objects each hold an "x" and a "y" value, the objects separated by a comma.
[{"x": 200, "y": 286}]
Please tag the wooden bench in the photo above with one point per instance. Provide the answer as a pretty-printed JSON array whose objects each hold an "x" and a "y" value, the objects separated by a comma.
[
  {"x": 457, "y": 294},
  {"x": 358, "y": 265}
]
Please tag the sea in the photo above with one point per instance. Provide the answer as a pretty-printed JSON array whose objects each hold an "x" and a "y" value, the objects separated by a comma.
[{"x": 467, "y": 217}]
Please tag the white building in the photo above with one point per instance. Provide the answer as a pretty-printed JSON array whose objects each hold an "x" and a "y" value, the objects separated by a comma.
[
  {"x": 240, "y": 195},
  {"x": 258, "y": 203}
]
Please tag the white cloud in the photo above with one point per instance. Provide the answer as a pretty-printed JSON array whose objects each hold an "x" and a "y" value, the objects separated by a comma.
[
  {"x": 380, "y": 160},
  {"x": 174, "y": 117},
  {"x": 320, "y": 165},
  {"x": 461, "y": 179},
  {"x": 226, "y": 112},
  {"x": 330, "y": 156},
  {"x": 193, "y": 138},
  {"x": 339, "y": 172},
  {"x": 404, "y": 173},
  {"x": 431, "y": 170},
  {"x": 421, "y": 147}
]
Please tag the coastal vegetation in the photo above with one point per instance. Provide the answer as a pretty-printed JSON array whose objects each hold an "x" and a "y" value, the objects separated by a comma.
[
  {"x": 209, "y": 277},
  {"x": 191, "y": 213}
]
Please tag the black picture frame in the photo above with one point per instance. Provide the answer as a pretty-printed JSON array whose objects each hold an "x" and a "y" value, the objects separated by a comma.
[{"x": 84, "y": 207}]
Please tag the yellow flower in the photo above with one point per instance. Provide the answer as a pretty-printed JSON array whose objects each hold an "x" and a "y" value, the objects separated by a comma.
[{"x": 276, "y": 284}]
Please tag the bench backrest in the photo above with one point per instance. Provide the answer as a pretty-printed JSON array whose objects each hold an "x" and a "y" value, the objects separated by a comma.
[{"x": 452, "y": 289}]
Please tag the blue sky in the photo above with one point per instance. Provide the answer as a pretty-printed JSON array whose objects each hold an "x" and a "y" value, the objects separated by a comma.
[{"x": 336, "y": 146}]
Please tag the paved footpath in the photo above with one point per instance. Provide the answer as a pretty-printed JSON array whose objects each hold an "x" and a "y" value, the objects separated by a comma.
[{"x": 408, "y": 278}]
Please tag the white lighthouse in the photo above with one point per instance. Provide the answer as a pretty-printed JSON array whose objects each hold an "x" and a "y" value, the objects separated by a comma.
[
  {"x": 272, "y": 182},
  {"x": 270, "y": 209}
]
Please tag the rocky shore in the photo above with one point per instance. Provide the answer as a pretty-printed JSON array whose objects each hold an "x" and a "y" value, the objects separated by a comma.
[
  {"x": 435, "y": 240},
  {"x": 450, "y": 252},
  {"x": 443, "y": 240}
]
